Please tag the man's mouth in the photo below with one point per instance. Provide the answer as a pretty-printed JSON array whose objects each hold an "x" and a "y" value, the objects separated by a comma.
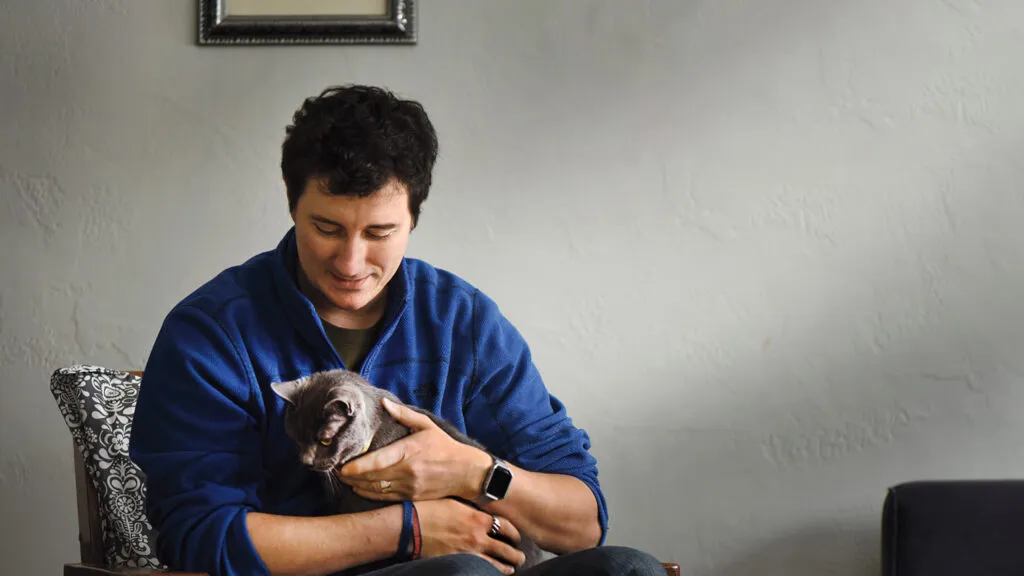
[{"x": 349, "y": 283}]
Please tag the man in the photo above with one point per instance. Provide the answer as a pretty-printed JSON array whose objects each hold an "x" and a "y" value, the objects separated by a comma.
[{"x": 226, "y": 491}]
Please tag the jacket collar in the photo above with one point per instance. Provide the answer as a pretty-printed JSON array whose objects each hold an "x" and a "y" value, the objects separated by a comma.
[{"x": 302, "y": 313}]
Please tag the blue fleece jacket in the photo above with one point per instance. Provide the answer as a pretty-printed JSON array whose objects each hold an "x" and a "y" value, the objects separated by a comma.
[{"x": 208, "y": 430}]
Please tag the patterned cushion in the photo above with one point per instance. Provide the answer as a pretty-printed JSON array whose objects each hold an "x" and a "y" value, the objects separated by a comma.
[{"x": 98, "y": 405}]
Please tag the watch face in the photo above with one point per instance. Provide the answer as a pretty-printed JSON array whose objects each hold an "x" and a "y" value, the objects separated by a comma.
[{"x": 500, "y": 481}]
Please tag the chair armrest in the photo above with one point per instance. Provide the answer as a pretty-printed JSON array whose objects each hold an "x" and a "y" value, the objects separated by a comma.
[
  {"x": 93, "y": 570},
  {"x": 671, "y": 568},
  {"x": 953, "y": 527}
]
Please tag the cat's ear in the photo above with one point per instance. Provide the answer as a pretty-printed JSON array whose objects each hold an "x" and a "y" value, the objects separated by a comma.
[
  {"x": 340, "y": 407},
  {"x": 289, "y": 390}
]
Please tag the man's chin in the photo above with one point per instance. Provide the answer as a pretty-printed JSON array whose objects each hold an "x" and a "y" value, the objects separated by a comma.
[
  {"x": 350, "y": 305},
  {"x": 351, "y": 300}
]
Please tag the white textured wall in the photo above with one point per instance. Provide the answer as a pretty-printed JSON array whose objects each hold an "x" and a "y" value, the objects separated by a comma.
[{"x": 766, "y": 250}]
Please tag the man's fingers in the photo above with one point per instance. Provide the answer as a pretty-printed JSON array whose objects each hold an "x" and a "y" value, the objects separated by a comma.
[
  {"x": 369, "y": 466},
  {"x": 375, "y": 495},
  {"x": 508, "y": 532},
  {"x": 506, "y": 553},
  {"x": 380, "y": 489},
  {"x": 376, "y": 486},
  {"x": 367, "y": 486},
  {"x": 373, "y": 470},
  {"x": 502, "y": 545},
  {"x": 410, "y": 418},
  {"x": 505, "y": 568}
]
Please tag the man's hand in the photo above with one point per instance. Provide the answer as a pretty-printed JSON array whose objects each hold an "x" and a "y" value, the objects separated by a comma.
[
  {"x": 428, "y": 464},
  {"x": 449, "y": 527}
]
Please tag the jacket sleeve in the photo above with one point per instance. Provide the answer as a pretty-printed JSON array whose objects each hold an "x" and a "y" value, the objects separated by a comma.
[
  {"x": 514, "y": 414},
  {"x": 195, "y": 437}
]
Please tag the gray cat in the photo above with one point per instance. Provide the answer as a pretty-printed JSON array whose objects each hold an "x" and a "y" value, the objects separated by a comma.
[{"x": 336, "y": 415}]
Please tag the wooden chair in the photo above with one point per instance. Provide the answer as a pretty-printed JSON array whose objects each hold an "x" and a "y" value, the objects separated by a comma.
[{"x": 90, "y": 535}]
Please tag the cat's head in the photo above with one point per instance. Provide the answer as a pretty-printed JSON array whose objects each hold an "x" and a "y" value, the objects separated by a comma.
[{"x": 330, "y": 417}]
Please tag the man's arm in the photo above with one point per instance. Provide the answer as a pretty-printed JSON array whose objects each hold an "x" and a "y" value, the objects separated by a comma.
[
  {"x": 557, "y": 510},
  {"x": 323, "y": 545},
  {"x": 196, "y": 437},
  {"x": 554, "y": 497}
]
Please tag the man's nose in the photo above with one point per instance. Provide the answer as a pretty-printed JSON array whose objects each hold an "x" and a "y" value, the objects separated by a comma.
[{"x": 351, "y": 258}]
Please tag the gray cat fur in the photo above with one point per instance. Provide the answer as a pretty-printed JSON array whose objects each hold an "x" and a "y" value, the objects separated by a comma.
[{"x": 344, "y": 394}]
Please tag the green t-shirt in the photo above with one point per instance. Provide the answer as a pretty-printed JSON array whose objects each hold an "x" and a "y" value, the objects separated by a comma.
[{"x": 352, "y": 345}]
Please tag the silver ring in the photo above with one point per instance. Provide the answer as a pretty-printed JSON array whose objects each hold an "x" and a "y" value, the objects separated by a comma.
[
  {"x": 495, "y": 526},
  {"x": 383, "y": 485}
]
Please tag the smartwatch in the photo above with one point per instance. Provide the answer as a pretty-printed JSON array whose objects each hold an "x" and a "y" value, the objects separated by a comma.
[{"x": 496, "y": 483}]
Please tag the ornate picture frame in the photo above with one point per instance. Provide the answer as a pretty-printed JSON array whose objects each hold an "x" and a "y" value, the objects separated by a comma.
[{"x": 256, "y": 22}]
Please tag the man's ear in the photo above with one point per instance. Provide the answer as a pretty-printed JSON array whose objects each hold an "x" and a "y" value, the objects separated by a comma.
[{"x": 289, "y": 390}]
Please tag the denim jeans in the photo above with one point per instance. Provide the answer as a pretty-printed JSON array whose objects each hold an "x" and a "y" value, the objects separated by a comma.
[{"x": 601, "y": 561}]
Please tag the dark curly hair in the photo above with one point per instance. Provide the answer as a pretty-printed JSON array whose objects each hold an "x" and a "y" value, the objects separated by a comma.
[{"x": 358, "y": 138}]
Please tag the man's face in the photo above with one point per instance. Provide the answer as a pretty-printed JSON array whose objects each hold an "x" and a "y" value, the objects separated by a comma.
[{"x": 349, "y": 249}]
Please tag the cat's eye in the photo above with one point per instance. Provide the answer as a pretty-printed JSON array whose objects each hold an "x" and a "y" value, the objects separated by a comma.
[{"x": 327, "y": 441}]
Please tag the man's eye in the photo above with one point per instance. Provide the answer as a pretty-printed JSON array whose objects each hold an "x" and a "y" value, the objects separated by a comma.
[
  {"x": 325, "y": 230},
  {"x": 378, "y": 236}
]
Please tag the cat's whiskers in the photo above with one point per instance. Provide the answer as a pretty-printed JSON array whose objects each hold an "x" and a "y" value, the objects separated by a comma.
[{"x": 333, "y": 484}]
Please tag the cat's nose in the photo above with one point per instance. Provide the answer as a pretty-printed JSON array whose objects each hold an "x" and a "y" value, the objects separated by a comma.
[{"x": 307, "y": 458}]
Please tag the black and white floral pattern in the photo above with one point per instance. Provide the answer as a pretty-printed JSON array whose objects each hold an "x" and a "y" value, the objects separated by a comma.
[{"x": 98, "y": 405}]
